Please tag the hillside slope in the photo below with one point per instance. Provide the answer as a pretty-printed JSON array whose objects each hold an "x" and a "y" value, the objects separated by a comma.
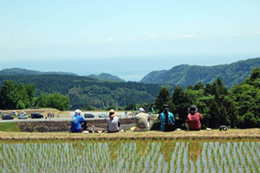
[
  {"x": 106, "y": 76},
  {"x": 185, "y": 75},
  {"x": 86, "y": 92},
  {"x": 20, "y": 71}
]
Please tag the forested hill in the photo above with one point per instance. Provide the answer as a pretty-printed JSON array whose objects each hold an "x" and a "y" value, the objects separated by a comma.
[
  {"x": 185, "y": 75},
  {"x": 20, "y": 71},
  {"x": 106, "y": 76},
  {"x": 85, "y": 92}
]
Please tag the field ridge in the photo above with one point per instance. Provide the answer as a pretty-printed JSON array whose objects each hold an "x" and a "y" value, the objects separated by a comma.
[{"x": 203, "y": 134}]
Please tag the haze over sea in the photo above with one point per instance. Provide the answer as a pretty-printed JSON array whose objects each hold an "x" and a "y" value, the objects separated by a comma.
[{"x": 126, "y": 38}]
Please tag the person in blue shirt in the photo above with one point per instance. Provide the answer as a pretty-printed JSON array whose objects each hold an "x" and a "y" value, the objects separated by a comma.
[
  {"x": 167, "y": 119},
  {"x": 78, "y": 123}
]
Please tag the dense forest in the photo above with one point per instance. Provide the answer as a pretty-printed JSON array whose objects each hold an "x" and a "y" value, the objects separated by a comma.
[
  {"x": 106, "y": 77},
  {"x": 185, "y": 75},
  {"x": 236, "y": 107},
  {"x": 19, "y": 96},
  {"x": 89, "y": 93},
  {"x": 20, "y": 71}
]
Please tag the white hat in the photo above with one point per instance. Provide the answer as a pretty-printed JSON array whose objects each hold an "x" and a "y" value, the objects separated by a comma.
[
  {"x": 77, "y": 112},
  {"x": 141, "y": 110}
]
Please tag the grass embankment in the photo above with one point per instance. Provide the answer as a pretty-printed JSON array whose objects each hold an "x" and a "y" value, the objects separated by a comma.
[
  {"x": 9, "y": 127},
  {"x": 203, "y": 134}
]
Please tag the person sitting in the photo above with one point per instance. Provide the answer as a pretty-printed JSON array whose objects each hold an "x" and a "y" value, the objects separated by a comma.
[
  {"x": 142, "y": 121},
  {"x": 113, "y": 122},
  {"x": 194, "y": 118},
  {"x": 167, "y": 119},
  {"x": 78, "y": 123}
]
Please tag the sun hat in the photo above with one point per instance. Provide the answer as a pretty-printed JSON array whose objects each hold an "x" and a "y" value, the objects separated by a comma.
[
  {"x": 112, "y": 113},
  {"x": 193, "y": 109},
  {"x": 141, "y": 110},
  {"x": 77, "y": 112}
]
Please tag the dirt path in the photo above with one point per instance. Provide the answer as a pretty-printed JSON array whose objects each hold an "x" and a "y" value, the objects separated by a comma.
[{"x": 203, "y": 134}]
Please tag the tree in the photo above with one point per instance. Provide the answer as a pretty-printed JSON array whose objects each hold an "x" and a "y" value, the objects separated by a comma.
[
  {"x": 198, "y": 86},
  {"x": 255, "y": 74},
  {"x": 181, "y": 102},
  {"x": 232, "y": 112},
  {"x": 130, "y": 107},
  {"x": 249, "y": 120},
  {"x": 246, "y": 97},
  {"x": 55, "y": 100},
  {"x": 215, "y": 113},
  {"x": 219, "y": 88},
  {"x": 163, "y": 98},
  {"x": 208, "y": 89},
  {"x": 16, "y": 96},
  {"x": 59, "y": 101},
  {"x": 9, "y": 95},
  {"x": 222, "y": 110}
]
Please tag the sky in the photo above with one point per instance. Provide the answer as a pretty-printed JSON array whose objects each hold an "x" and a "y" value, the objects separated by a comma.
[{"x": 127, "y": 38}]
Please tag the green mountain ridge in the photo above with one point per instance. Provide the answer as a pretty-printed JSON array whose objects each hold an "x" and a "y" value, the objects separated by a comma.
[
  {"x": 21, "y": 71},
  {"x": 185, "y": 75}
]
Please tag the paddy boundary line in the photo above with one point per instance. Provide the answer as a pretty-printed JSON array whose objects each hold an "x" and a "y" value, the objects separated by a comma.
[{"x": 153, "y": 135}]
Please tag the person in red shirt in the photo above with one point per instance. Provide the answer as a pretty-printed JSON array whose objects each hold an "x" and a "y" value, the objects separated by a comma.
[{"x": 194, "y": 118}]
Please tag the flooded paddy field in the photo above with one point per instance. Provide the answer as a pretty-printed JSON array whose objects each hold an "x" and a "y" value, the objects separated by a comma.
[{"x": 127, "y": 155}]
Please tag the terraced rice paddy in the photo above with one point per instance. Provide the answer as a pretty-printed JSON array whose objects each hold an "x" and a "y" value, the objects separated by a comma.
[{"x": 125, "y": 155}]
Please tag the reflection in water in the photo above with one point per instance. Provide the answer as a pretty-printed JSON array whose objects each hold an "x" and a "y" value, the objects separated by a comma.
[
  {"x": 167, "y": 148},
  {"x": 143, "y": 147},
  {"x": 113, "y": 149},
  {"x": 160, "y": 155},
  {"x": 195, "y": 149}
]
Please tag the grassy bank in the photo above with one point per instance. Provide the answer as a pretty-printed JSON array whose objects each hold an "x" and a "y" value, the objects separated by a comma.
[
  {"x": 203, "y": 134},
  {"x": 9, "y": 127}
]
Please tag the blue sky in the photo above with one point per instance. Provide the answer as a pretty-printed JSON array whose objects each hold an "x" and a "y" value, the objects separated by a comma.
[{"x": 127, "y": 38}]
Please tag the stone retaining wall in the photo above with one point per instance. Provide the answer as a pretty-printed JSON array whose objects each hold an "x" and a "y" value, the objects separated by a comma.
[{"x": 62, "y": 126}]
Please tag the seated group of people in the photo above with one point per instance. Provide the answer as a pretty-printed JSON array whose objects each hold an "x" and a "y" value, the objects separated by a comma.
[
  {"x": 79, "y": 124},
  {"x": 168, "y": 121}
]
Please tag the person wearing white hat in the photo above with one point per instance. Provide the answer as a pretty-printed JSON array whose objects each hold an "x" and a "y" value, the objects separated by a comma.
[
  {"x": 142, "y": 121},
  {"x": 78, "y": 123}
]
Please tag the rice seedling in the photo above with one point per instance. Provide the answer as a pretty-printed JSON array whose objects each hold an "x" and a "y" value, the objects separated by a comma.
[
  {"x": 125, "y": 155},
  {"x": 207, "y": 156},
  {"x": 223, "y": 167}
]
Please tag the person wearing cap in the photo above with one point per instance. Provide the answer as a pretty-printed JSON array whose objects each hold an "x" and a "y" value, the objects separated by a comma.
[
  {"x": 113, "y": 122},
  {"x": 142, "y": 121},
  {"x": 167, "y": 119},
  {"x": 194, "y": 118},
  {"x": 78, "y": 123}
]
